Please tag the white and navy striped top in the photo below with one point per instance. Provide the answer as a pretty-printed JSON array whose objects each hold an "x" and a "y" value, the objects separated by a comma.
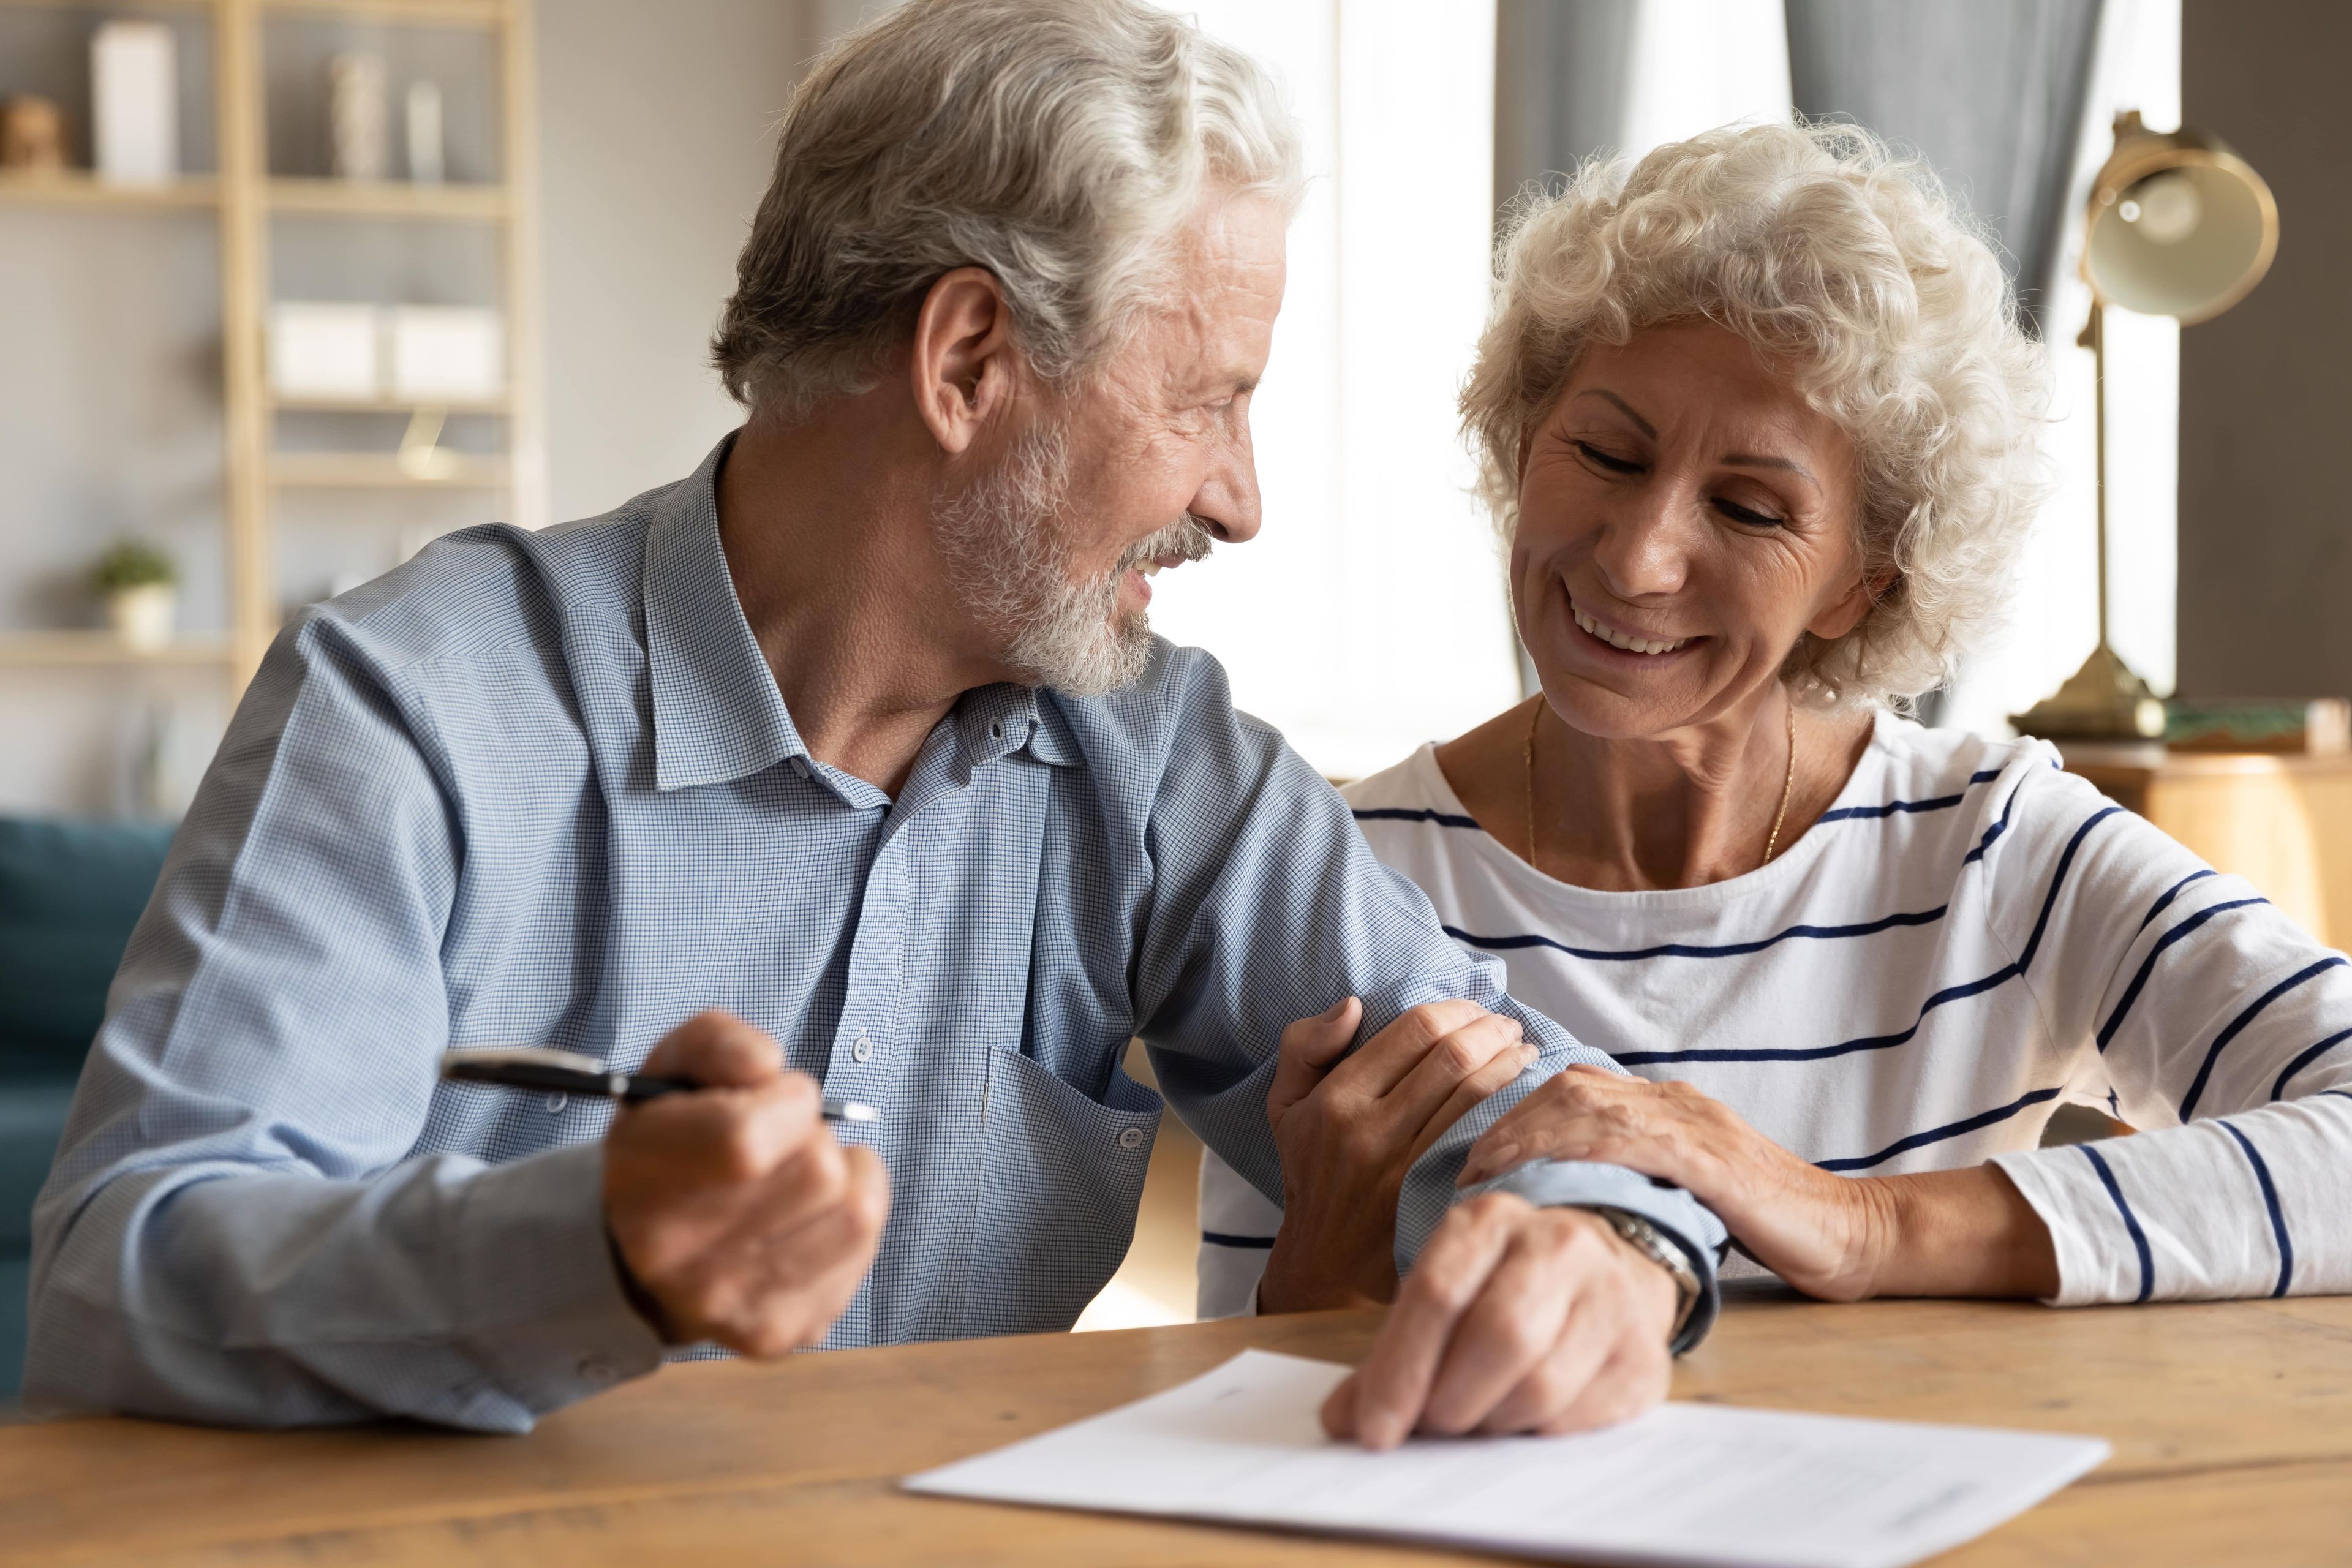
[{"x": 1965, "y": 940}]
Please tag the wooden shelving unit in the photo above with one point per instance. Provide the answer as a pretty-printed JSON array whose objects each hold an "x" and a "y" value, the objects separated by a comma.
[
  {"x": 94, "y": 647},
  {"x": 244, "y": 197},
  {"x": 388, "y": 405},
  {"x": 80, "y": 188},
  {"x": 374, "y": 472},
  {"x": 388, "y": 198}
]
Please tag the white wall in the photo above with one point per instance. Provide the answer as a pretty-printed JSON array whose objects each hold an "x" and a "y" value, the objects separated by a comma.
[{"x": 655, "y": 145}]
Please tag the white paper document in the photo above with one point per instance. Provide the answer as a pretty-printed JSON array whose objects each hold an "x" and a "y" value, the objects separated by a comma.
[{"x": 1685, "y": 1484}]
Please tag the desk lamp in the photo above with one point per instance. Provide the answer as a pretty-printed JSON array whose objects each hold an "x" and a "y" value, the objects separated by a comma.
[{"x": 2177, "y": 225}]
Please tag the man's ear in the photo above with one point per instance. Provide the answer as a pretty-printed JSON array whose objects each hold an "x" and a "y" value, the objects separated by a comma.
[
  {"x": 963, "y": 366},
  {"x": 1845, "y": 612}
]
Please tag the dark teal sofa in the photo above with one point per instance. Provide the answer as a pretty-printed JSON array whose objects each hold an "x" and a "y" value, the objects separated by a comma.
[{"x": 69, "y": 893}]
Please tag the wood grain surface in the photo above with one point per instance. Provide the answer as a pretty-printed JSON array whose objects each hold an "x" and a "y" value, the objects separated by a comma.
[{"x": 2232, "y": 1422}]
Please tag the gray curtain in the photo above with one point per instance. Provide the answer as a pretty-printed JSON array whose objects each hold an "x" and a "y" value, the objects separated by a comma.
[
  {"x": 1990, "y": 92},
  {"x": 1559, "y": 86}
]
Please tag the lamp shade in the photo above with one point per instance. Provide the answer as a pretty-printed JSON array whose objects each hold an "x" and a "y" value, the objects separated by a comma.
[{"x": 2179, "y": 225}]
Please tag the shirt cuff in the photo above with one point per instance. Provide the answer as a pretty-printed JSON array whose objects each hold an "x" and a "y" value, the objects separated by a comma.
[
  {"x": 542, "y": 1310},
  {"x": 1692, "y": 1225},
  {"x": 2097, "y": 1261}
]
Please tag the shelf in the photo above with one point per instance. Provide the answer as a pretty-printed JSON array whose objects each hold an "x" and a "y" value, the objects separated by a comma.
[
  {"x": 387, "y": 198},
  {"x": 427, "y": 12},
  {"x": 430, "y": 13},
  {"x": 95, "y": 647},
  {"x": 371, "y": 470},
  {"x": 408, "y": 406},
  {"x": 80, "y": 188},
  {"x": 107, "y": 5}
]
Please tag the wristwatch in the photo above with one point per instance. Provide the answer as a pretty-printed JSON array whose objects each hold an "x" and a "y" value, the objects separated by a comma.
[{"x": 1663, "y": 1250}]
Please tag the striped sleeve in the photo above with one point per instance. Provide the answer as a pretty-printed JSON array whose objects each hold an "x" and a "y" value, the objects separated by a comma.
[{"x": 2225, "y": 1032}]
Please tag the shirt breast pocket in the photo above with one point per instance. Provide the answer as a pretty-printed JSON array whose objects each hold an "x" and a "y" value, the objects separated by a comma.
[{"x": 1061, "y": 1176}]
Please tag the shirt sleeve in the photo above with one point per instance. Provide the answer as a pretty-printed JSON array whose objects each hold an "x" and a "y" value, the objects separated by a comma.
[
  {"x": 235, "y": 1230},
  {"x": 2224, "y": 1033},
  {"x": 1268, "y": 906}
]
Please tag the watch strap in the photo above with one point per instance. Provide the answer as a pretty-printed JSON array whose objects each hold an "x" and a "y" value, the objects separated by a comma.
[{"x": 1665, "y": 1252}]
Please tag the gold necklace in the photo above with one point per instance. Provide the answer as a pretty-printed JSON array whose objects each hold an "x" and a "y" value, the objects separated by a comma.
[{"x": 1788, "y": 782}]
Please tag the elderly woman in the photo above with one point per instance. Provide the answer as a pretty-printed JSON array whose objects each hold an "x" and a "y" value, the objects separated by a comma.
[{"x": 1760, "y": 427}]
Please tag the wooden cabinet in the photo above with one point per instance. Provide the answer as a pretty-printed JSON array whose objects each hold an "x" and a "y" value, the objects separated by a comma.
[{"x": 2283, "y": 823}]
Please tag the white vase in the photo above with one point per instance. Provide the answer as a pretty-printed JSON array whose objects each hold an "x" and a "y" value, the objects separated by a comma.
[{"x": 142, "y": 616}]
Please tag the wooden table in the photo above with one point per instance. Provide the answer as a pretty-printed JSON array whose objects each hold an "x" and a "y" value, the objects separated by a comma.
[{"x": 2232, "y": 1428}]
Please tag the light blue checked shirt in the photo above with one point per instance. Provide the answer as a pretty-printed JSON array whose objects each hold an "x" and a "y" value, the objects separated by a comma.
[{"x": 542, "y": 788}]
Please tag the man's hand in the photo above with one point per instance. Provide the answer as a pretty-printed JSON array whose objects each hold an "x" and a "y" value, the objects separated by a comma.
[
  {"x": 1516, "y": 1319},
  {"x": 1839, "y": 1238},
  {"x": 736, "y": 1215},
  {"x": 1348, "y": 1134}
]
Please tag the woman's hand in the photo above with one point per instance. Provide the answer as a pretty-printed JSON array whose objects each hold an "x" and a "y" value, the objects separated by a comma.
[
  {"x": 1827, "y": 1236},
  {"x": 1348, "y": 1132},
  {"x": 1938, "y": 1233}
]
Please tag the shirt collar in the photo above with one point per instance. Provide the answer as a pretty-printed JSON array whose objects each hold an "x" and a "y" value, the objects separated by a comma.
[
  {"x": 992, "y": 721},
  {"x": 717, "y": 716}
]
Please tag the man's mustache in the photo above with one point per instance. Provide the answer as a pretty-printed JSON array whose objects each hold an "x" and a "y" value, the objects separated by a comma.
[{"x": 1186, "y": 539}]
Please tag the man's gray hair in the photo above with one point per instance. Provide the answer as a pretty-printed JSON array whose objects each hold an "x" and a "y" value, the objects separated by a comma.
[{"x": 1058, "y": 143}]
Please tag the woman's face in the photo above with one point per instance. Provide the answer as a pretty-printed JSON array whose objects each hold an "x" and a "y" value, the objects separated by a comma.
[{"x": 1683, "y": 518}]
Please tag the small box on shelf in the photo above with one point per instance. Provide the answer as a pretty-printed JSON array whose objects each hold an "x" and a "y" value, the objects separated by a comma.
[
  {"x": 135, "y": 102},
  {"x": 325, "y": 351},
  {"x": 397, "y": 355},
  {"x": 445, "y": 353}
]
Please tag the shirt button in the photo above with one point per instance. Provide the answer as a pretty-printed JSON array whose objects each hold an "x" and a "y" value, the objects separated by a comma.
[
  {"x": 556, "y": 1102},
  {"x": 996, "y": 729},
  {"x": 1131, "y": 1139},
  {"x": 863, "y": 1049},
  {"x": 595, "y": 1371}
]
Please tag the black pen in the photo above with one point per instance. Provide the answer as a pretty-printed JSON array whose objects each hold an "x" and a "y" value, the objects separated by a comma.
[{"x": 570, "y": 1072}]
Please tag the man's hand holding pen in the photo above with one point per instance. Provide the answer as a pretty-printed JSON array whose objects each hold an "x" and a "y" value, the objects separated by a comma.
[{"x": 738, "y": 1217}]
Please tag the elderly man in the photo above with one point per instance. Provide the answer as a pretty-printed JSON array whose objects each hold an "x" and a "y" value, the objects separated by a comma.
[{"x": 859, "y": 734}]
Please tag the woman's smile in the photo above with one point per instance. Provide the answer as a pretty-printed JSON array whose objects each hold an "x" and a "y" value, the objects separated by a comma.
[{"x": 1627, "y": 643}]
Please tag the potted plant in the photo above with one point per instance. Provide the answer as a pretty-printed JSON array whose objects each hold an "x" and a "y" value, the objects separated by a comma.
[{"x": 137, "y": 582}]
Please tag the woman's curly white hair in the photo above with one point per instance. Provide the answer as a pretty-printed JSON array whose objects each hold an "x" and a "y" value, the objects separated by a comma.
[{"x": 1855, "y": 274}]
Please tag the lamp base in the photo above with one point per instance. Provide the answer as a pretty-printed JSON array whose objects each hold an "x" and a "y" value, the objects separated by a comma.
[{"x": 2103, "y": 700}]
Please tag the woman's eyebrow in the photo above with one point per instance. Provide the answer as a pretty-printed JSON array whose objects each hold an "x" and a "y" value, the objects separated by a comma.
[
  {"x": 1736, "y": 460},
  {"x": 1742, "y": 461},
  {"x": 1623, "y": 407}
]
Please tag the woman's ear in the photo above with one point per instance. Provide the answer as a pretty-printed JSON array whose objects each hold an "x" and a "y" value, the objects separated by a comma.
[
  {"x": 963, "y": 362},
  {"x": 1844, "y": 613}
]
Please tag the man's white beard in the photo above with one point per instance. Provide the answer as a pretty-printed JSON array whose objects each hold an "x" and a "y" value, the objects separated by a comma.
[{"x": 1009, "y": 563}]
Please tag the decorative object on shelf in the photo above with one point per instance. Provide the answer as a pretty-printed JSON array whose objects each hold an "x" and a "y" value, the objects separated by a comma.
[
  {"x": 135, "y": 102},
  {"x": 32, "y": 135},
  {"x": 447, "y": 353},
  {"x": 427, "y": 150},
  {"x": 324, "y": 351},
  {"x": 356, "y": 114},
  {"x": 2179, "y": 226},
  {"x": 421, "y": 456},
  {"x": 140, "y": 586},
  {"x": 2321, "y": 727}
]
